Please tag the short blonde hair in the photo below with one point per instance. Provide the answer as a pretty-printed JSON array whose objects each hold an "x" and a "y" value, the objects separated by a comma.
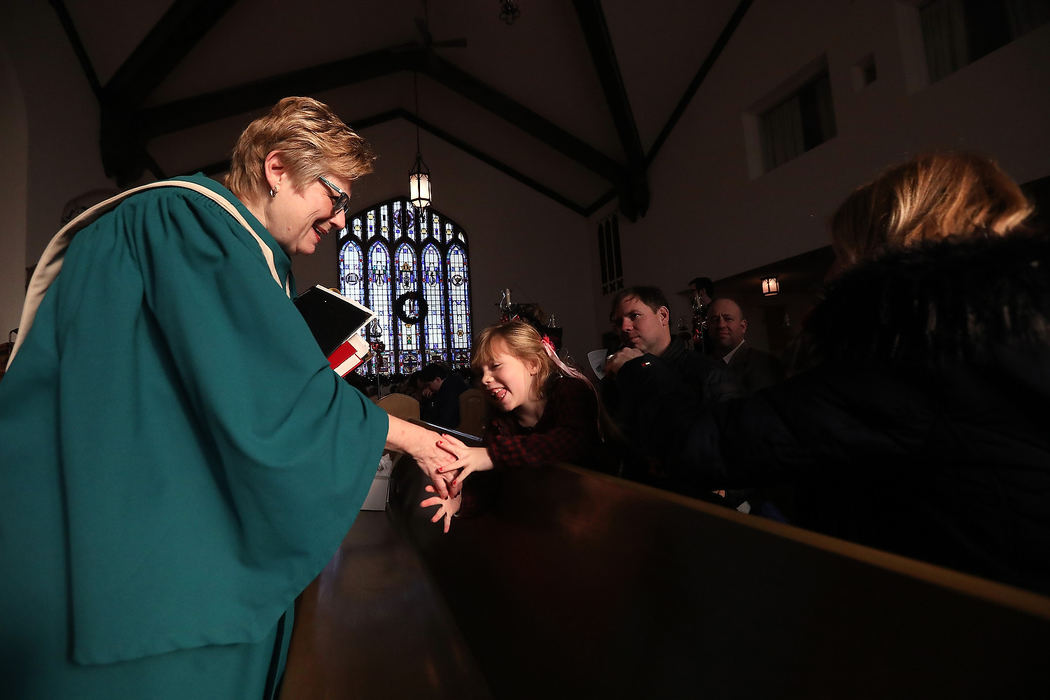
[
  {"x": 523, "y": 342},
  {"x": 929, "y": 198},
  {"x": 312, "y": 140}
]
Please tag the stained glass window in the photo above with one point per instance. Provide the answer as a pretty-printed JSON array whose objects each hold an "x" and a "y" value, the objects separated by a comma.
[
  {"x": 409, "y": 261},
  {"x": 459, "y": 303},
  {"x": 351, "y": 273},
  {"x": 434, "y": 293},
  {"x": 407, "y": 282},
  {"x": 382, "y": 303}
]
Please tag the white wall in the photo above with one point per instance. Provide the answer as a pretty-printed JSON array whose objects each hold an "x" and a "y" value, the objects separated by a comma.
[
  {"x": 14, "y": 154},
  {"x": 709, "y": 217},
  {"x": 62, "y": 115},
  {"x": 49, "y": 119}
]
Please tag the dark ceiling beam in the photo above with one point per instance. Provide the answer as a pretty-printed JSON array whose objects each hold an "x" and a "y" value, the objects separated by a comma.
[
  {"x": 599, "y": 203},
  {"x": 690, "y": 91},
  {"x": 78, "y": 47},
  {"x": 634, "y": 190},
  {"x": 194, "y": 111},
  {"x": 382, "y": 117},
  {"x": 170, "y": 40},
  {"x": 202, "y": 109},
  {"x": 522, "y": 117},
  {"x": 491, "y": 161}
]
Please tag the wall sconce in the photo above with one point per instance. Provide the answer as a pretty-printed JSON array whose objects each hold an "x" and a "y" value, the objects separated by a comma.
[{"x": 770, "y": 286}]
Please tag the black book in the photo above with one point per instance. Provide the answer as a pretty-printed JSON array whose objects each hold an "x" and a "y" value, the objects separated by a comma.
[{"x": 337, "y": 324}]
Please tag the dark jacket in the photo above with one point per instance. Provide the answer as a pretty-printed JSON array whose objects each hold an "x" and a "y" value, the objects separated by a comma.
[
  {"x": 642, "y": 390},
  {"x": 924, "y": 429},
  {"x": 443, "y": 407},
  {"x": 754, "y": 369}
]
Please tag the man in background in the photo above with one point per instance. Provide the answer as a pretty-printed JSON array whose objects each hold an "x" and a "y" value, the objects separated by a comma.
[
  {"x": 752, "y": 368},
  {"x": 641, "y": 316},
  {"x": 440, "y": 387}
]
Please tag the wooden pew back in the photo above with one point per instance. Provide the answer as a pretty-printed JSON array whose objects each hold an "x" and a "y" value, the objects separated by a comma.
[{"x": 576, "y": 584}]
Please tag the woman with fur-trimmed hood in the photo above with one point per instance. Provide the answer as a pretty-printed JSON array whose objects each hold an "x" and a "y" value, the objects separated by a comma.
[{"x": 924, "y": 426}]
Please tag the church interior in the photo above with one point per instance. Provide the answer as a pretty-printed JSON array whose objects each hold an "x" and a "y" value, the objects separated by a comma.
[{"x": 581, "y": 147}]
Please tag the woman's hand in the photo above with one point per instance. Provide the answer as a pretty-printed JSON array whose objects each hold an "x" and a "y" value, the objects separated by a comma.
[
  {"x": 447, "y": 507},
  {"x": 422, "y": 444},
  {"x": 468, "y": 461}
]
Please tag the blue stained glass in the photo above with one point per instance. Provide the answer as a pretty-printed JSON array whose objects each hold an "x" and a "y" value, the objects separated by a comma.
[
  {"x": 351, "y": 273},
  {"x": 408, "y": 334},
  {"x": 434, "y": 293},
  {"x": 437, "y": 268},
  {"x": 459, "y": 298},
  {"x": 380, "y": 300}
]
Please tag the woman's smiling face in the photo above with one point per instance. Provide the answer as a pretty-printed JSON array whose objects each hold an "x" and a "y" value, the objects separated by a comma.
[
  {"x": 507, "y": 379},
  {"x": 299, "y": 219}
]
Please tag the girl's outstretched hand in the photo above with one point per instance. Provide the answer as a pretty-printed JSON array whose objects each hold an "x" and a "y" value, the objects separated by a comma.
[
  {"x": 447, "y": 507},
  {"x": 468, "y": 461}
]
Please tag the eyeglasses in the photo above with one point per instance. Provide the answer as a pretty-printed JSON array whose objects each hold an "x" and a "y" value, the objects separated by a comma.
[{"x": 340, "y": 203}]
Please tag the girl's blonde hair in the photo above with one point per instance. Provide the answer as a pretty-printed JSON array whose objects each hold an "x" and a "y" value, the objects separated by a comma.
[
  {"x": 312, "y": 140},
  {"x": 523, "y": 342},
  {"x": 929, "y": 198}
]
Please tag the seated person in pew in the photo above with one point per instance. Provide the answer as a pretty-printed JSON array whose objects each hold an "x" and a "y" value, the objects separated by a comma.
[
  {"x": 641, "y": 317},
  {"x": 923, "y": 428},
  {"x": 440, "y": 388},
  {"x": 546, "y": 411}
]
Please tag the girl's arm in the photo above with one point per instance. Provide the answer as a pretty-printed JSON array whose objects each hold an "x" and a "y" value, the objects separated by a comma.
[{"x": 572, "y": 438}]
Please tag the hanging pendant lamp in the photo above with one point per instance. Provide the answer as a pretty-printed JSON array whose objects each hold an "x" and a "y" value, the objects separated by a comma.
[{"x": 419, "y": 176}]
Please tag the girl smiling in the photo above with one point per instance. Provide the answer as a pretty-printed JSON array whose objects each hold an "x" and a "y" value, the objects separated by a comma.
[{"x": 546, "y": 411}]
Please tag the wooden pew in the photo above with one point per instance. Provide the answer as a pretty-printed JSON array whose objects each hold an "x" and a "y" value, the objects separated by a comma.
[{"x": 574, "y": 584}]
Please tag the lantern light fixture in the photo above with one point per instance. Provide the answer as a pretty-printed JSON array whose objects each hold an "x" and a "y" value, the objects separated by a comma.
[{"x": 419, "y": 177}]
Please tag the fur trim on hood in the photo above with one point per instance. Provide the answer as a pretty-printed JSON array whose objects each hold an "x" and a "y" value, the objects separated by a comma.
[{"x": 941, "y": 303}]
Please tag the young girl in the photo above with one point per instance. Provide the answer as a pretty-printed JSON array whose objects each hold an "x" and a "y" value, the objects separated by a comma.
[{"x": 546, "y": 412}]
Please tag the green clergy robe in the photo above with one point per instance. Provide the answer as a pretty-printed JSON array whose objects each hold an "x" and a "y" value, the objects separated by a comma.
[{"x": 177, "y": 461}]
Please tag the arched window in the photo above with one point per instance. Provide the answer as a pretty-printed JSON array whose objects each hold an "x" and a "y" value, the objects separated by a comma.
[{"x": 404, "y": 269}]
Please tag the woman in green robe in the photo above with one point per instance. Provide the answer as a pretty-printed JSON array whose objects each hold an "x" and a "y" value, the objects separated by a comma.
[{"x": 177, "y": 459}]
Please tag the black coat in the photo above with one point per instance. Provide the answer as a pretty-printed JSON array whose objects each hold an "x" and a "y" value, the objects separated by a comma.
[
  {"x": 755, "y": 369},
  {"x": 639, "y": 393},
  {"x": 925, "y": 429}
]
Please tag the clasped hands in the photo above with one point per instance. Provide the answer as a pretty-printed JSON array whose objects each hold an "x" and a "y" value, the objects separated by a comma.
[
  {"x": 618, "y": 359},
  {"x": 450, "y": 476}
]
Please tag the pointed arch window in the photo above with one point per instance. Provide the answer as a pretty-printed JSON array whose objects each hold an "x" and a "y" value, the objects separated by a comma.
[{"x": 404, "y": 269}]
